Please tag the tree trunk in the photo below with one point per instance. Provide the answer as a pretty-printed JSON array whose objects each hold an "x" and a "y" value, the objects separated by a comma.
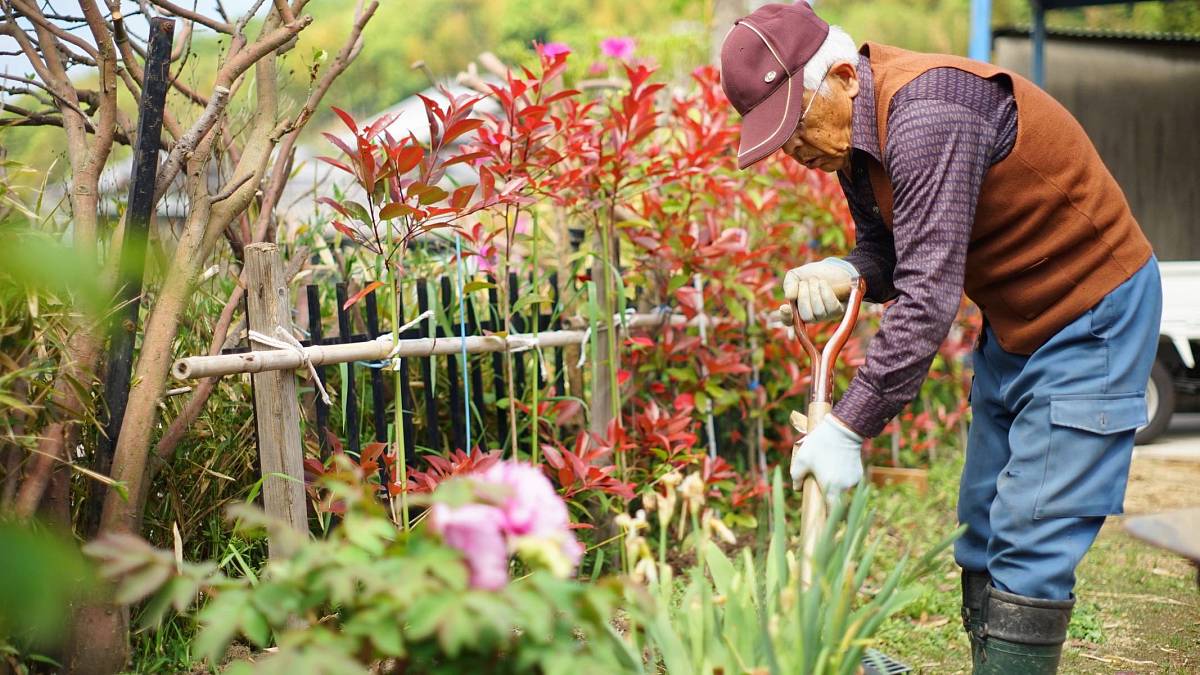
[
  {"x": 98, "y": 640},
  {"x": 150, "y": 376}
]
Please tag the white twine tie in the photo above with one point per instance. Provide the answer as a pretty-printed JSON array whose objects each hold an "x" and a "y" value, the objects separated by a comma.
[
  {"x": 387, "y": 337},
  {"x": 587, "y": 335},
  {"x": 288, "y": 341}
]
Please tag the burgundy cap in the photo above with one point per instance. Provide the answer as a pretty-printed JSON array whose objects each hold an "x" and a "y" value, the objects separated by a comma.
[{"x": 762, "y": 72}]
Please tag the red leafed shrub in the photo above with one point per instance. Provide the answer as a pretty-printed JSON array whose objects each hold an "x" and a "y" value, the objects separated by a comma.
[
  {"x": 442, "y": 468},
  {"x": 584, "y": 468}
]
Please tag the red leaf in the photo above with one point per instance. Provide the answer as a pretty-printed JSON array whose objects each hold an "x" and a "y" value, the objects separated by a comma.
[
  {"x": 557, "y": 96},
  {"x": 462, "y": 197},
  {"x": 464, "y": 157},
  {"x": 341, "y": 165},
  {"x": 641, "y": 341},
  {"x": 345, "y": 229},
  {"x": 346, "y": 118},
  {"x": 380, "y": 124},
  {"x": 333, "y": 205},
  {"x": 371, "y": 451},
  {"x": 361, "y": 294},
  {"x": 461, "y": 127},
  {"x": 408, "y": 157},
  {"x": 553, "y": 456},
  {"x": 339, "y": 143},
  {"x": 623, "y": 376}
]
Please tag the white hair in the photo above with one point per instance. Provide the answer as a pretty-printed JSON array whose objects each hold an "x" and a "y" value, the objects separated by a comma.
[{"x": 838, "y": 46}]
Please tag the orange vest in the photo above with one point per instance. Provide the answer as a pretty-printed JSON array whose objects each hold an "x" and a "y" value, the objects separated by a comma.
[{"x": 1053, "y": 233}]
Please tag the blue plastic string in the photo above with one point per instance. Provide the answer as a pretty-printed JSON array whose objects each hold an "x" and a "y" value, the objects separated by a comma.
[{"x": 462, "y": 331}]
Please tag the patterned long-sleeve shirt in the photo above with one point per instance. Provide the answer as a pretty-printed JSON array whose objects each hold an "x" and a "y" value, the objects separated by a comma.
[{"x": 946, "y": 128}]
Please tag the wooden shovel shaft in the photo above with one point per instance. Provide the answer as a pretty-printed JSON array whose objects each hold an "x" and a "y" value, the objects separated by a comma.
[{"x": 813, "y": 510}]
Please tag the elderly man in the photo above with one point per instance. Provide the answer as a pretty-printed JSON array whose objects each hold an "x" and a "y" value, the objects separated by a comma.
[{"x": 961, "y": 175}]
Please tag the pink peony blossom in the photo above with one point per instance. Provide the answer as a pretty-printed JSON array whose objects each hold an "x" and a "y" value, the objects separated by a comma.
[
  {"x": 525, "y": 515},
  {"x": 530, "y": 506},
  {"x": 552, "y": 49},
  {"x": 617, "y": 47},
  {"x": 475, "y": 530}
]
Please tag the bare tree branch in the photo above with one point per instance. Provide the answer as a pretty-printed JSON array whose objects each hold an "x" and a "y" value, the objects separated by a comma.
[
  {"x": 186, "y": 143},
  {"x": 184, "y": 45},
  {"x": 35, "y": 16},
  {"x": 39, "y": 85},
  {"x": 349, "y": 51},
  {"x": 185, "y": 13},
  {"x": 285, "y": 12},
  {"x": 229, "y": 189}
]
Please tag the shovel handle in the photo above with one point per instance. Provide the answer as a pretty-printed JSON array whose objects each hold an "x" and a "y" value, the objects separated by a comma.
[{"x": 813, "y": 509}]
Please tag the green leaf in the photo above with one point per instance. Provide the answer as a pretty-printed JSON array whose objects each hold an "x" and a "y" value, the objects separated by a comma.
[
  {"x": 529, "y": 299},
  {"x": 254, "y": 626},
  {"x": 357, "y": 210},
  {"x": 432, "y": 195},
  {"x": 396, "y": 210},
  {"x": 719, "y": 566},
  {"x": 478, "y": 286},
  {"x": 220, "y": 620},
  {"x": 139, "y": 584}
]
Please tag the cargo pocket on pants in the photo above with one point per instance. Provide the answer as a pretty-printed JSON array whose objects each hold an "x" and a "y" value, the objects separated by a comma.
[{"x": 1087, "y": 462}]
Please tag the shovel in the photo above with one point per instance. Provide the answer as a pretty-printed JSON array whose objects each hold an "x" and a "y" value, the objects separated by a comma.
[{"x": 813, "y": 511}]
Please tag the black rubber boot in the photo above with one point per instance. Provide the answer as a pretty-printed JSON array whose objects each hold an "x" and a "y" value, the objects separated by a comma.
[
  {"x": 1019, "y": 635},
  {"x": 974, "y": 591}
]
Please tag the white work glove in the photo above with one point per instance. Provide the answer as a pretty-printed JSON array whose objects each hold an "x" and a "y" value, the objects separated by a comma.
[
  {"x": 832, "y": 453},
  {"x": 811, "y": 286}
]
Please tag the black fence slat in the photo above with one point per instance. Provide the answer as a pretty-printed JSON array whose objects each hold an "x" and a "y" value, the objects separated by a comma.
[
  {"x": 560, "y": 387},
  {"x": 476, "y": 368},
  {"x": 350, "y": 423},
  {"x": 315, "y": 336},
  {"x": 457, "y": 419},
  {"x": 518, "y": 324},
  {"x": 542, "y": 322},
  {"x": 378, "y": 395},
  {"x": 432, "y": 435},
  {"x": 407, "y": 406},
  {"x": 498, "y": 366}
]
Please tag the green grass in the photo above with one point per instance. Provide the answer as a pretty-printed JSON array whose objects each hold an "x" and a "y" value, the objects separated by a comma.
[{"x": 1137, "y": 608}]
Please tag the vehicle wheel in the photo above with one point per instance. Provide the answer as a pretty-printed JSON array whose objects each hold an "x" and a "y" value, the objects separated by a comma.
[{"x": 1160, "y": 404}]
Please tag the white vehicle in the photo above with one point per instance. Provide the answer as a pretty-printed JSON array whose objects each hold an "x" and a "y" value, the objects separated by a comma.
[{"x": 1175, "y": 380}]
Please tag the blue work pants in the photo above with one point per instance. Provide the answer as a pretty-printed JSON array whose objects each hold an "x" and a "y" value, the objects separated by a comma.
[{"x": 1051, "y": 439}]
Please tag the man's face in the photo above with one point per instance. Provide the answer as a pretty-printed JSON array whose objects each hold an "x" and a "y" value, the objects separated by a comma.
[{"x": 822, "y": 139}]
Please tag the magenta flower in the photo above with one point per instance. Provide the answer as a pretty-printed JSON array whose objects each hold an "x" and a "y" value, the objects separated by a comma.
[
  {"x": 617, "y": 47},
  {"x": 474, "y": 529},
  {"x": 552, "y": 49}
]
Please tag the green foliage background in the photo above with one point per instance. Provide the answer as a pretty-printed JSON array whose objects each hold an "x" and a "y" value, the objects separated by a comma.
[{"x": 676, "y": 34}]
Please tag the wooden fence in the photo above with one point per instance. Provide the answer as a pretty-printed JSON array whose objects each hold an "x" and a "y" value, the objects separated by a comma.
[{"x": 362, "y": 354}]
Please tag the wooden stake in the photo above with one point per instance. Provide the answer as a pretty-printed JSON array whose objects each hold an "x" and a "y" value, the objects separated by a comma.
[{"x": 276, "y": 408}]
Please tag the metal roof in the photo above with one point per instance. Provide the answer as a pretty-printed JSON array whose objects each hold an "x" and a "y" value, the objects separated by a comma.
[{"x": 1094, "y": 34}]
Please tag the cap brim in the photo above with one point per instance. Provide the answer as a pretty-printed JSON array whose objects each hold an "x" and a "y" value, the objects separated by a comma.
[{"x": 768, "y": 126}]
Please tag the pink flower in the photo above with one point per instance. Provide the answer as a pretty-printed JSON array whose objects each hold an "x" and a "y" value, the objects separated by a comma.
[
  {"x": 552, "y": 49},
  {"x": 597, "y": 68},
  {"x": 523, "y": 514},
  {"x": 617, "y": 47},
  {"x": 530, "y": 506},
  {"x": 475, "y": 530}
]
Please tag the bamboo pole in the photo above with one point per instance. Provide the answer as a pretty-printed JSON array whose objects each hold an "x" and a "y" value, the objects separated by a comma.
[
  {"x": 276, "y": 407},
  {"x": 195, "y": 367}
]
